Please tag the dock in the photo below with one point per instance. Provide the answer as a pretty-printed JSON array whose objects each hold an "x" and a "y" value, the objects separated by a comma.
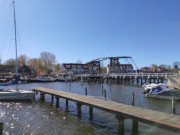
[{"x": 122, "y": 111}]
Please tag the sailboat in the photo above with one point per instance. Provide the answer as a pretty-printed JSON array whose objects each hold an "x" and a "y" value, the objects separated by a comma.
[{"x": 15, "y": 94}]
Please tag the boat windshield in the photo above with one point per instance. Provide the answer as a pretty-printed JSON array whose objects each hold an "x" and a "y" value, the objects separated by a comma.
[{"x": 158, "y": 89}]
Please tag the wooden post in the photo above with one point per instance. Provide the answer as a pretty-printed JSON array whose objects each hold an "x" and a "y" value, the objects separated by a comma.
[
  {"x": 121, "y": 124},
  {"x": 105, "y": 94},
  {"x": 132, "y": 99},
  {"x": 57, "y": 101},
  {"x": 150, "y": 80},
  {"x": 36, "y": 92},
  {"x": 1, "y": 128},
  {"x": 173, "y": 106},
  {"x": 90, "y": 113},
  {"x": 86, "y": 91},
  {"x": 78, "y": 109},
  {"x": 137, "y": 80},
  {"x": 42, "y": 96},
  {"x": 135, "y": 128},
  {"x": 145, "y": 80},
  {"x": 162, "y": 80},
  {"x": 52, "y": 99},
  {"x": 66, "y": 102}
]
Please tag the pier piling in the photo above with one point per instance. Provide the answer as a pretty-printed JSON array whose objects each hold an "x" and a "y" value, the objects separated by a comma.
[
  {"x": 121, "y": 124},
  {"x": 78, "y": 109},
  {"x": 135, "y": 127},
  {"x": 173, "y": 106},
  {"x": 86, "y": 91},
  {"x": 104, "y": 94},
  {"x": 1, "y": 128},
  {"x": 66, "y": 102},
  {"x": 52, "y": 99},
  {"x": 57, "y": 101},
  {"x": 90, "y": 113},
  {"x": 132, "y": 99},
  {"x": 42, "y": 96}
]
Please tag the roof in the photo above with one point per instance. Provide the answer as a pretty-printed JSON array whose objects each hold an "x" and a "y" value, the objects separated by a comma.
[
  {"x": 5, "y": 69},
  {"x": 74, "y": 64}
]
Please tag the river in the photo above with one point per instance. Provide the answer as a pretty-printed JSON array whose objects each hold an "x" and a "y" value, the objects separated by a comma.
[{"x": 43, "y": 118}]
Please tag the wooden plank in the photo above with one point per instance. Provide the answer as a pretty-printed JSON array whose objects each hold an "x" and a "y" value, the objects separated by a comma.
[{"x": 140, "y": 114}]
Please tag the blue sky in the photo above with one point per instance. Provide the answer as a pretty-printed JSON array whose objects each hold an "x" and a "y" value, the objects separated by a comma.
[{"x": 147, "y": 30}]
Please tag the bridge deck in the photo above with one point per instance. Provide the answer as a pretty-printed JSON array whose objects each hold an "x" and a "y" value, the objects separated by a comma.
[{"x": 156, "y": 118}]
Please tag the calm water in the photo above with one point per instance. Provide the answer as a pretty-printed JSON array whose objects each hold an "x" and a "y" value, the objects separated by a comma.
[{"x": 39, "y": 118}]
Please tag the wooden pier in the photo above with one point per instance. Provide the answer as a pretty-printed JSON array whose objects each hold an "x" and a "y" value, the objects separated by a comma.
[{"x": 122, "y": 111}]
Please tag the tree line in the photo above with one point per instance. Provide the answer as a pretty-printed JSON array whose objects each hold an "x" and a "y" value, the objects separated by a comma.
[
  {"x": 46, "y": 63},
  {"x": 174, "y": 68}
]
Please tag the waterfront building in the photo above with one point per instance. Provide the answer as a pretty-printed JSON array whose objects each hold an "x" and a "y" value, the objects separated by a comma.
[
  {"x": 8, "y": 71},
  {"x": 74, "y": 68}
]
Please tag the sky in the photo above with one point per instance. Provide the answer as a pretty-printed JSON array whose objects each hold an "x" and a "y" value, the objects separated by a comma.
[{"x": 146, "y": 30}]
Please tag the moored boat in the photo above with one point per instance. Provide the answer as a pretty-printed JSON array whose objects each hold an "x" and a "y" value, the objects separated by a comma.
[
  {"x": 15, "y": 94},
  {"x": 161, "y": 91}
]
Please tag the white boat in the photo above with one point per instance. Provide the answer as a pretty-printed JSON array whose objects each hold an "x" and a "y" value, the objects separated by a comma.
[
  {"x": 15, "y": 94},
  {"x": 12, "y": 95},
  {"x": 147, "y": 87},
  {"x": 161, "y": 91}
]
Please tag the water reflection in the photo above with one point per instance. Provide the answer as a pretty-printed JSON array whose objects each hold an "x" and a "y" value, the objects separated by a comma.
[{"x": 39, "y": 117}]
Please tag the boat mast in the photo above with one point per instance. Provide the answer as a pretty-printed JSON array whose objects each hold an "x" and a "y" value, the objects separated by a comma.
[
  {"x": 15, "y": 39},
  {"x": 16, "y": 79}
]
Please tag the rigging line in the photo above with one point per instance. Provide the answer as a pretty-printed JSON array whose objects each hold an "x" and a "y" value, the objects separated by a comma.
[
  {"x": 1, "y": 26},
  {"x": 6, "y": 25},
  {"x": 20, "y": 41},
  {"x": 7, "y": 39},
  {"x": 9, "y": 47},
  {"x": 7, "y": 30}
]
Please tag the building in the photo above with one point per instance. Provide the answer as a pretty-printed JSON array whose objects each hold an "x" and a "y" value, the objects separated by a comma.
[
  {"x": 153, "y": 70},
  {"x": 8, "y": 71},
  {"x": 120, "y": 68},
  {"x": 74, "y": 68}
]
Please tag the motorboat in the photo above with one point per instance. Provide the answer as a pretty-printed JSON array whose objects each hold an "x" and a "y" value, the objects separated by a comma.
[
  {"x": 147, "y": 87},
  {"x": 161, "y": 91}
]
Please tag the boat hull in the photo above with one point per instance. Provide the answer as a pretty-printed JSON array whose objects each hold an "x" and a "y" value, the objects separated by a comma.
[
  {"x": 162, "y": 97},
  {"x": 13, "y": 95}
]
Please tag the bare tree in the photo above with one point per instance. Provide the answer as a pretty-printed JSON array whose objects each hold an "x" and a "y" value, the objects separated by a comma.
[
  {"x": 154, "y": 66},
  {"x": 22, "y": 59},
  {"x": 47, "y": 61},
  {"x": 57, "y": 69},
  {"x": 35, "y": 64}
]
